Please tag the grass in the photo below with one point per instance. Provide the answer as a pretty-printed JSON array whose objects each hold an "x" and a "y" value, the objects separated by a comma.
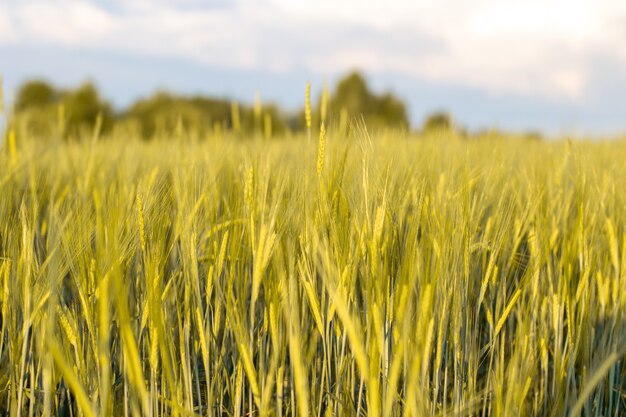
[{"x": 379, "y": 275}]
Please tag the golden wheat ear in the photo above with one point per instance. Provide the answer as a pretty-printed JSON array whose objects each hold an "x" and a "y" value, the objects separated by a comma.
[{"x": 307, "y": 108}]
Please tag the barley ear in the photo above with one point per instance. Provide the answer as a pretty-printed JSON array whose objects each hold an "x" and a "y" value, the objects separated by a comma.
[
  {"x": 307, "y": 108},
  {"x": 12, "y": 146},
  {"x": 140, "y": 221},
  {"x": 321, "y": 150}
]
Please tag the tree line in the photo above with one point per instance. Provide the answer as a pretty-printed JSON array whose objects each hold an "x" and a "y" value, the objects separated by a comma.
[{"x": 47, "y": 111}]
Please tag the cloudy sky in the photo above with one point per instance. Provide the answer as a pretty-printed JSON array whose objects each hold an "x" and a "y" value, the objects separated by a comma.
[{"x": 555, "y": 65}]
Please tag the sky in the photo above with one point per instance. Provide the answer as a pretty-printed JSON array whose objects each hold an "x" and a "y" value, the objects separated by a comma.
[{"x": 553, "y": 65}]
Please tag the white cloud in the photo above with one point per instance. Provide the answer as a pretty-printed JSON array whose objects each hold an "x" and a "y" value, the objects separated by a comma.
[
  {"x": 7, "y": 32},
  {"x": 66, "y": 22},
  {"x": 540, "y": 48}
]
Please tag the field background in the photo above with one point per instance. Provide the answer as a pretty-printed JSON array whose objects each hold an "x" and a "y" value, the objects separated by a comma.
[{"x": 371, "y": 273}]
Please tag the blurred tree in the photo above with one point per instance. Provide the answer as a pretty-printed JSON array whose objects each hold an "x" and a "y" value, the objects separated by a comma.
[
  {"x": 36, "y": 93},
  {"x": 439, "y": 121},
  {"x": 352, "y": 95},
  {"x": 37, "y": 110},
  {"x": 391, "y": 111},
  {"x": 82, "y": 107},
  {"x": 164, "y": 114},
  {"x": 534, "y": 136},
  {"x": 32, "y": 106},
  {"x": 161, "y": 113}
]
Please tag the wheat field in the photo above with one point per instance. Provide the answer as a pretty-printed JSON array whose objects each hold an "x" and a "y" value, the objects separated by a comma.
[{"x": 362, "y": 274}]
